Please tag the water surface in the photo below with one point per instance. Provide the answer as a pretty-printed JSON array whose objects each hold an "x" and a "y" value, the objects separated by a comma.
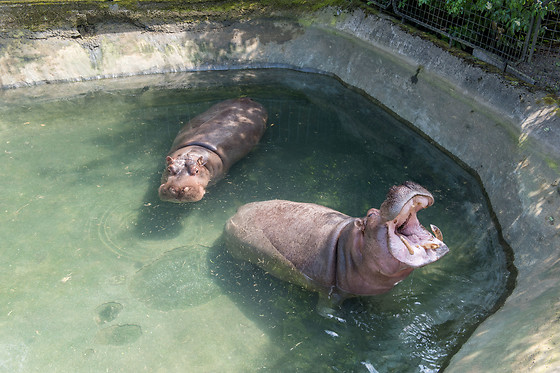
[{"x": 98, "y": 275}]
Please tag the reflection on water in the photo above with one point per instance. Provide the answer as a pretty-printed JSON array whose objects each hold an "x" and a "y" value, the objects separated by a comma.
[{"x": 97, "y": 274}]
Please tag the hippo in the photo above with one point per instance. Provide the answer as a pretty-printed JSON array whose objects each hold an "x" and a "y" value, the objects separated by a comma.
[
  {"x": 334, "y": 254},
  {"x": 208, "y": 145}
]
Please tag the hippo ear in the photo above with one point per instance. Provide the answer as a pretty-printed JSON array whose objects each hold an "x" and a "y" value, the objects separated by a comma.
[
  {"x": 200, "y": 161},
  {"x": 169, "y": 160},
  {"x": 360, "y": 224}
]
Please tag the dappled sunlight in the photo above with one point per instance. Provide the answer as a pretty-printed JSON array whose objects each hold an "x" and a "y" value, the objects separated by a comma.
[
  {"x": 519, "y": 345},
  {"x": 538, "y": 171},
  {"x": 537, "y": 117},
  {"x": 544, "y": 195},
  {"x": 243, "y": 44},
  {"x": 540, "y": 345},
  {"x": 543, "y": 125}
]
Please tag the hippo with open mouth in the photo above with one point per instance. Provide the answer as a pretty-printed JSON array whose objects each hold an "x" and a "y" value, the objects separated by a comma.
[
  {"x": 208, "y": 145},
  {"x": 332, "y": 253}
]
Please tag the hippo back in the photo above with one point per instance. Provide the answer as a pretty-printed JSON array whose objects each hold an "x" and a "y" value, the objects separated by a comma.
[
  {"x": 230, "y": 128},
  {"x": 302, "y": 236}
]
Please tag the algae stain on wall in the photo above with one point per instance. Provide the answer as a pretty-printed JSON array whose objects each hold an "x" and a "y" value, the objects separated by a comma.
[{"x": 93, "y": 50}]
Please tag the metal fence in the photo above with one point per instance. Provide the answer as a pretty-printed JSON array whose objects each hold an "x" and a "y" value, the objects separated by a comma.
[
  {"x": 479, "y": 31},
  {"x": 546, "y": 39}
]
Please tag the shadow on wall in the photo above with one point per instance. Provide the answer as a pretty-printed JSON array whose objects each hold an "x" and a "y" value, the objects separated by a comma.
[{"x": 197, "y": 46}]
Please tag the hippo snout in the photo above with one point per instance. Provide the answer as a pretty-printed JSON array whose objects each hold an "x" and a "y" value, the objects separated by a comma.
[
  {"x": 173, "y": 193},
  {"x": 169, "y": 192}
]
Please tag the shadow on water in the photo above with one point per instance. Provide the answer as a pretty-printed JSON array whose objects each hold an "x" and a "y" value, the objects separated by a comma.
[
  {"x": 285, "y": 312},
  {"x": 193, "y": 275},
  {"x": 158, "y": 220},
  {"x": 152, "y": 118},
  {"x": 371, "y": 331},
  {"x": 156, "y": 122},
  {"x": 359, "y": 335}
]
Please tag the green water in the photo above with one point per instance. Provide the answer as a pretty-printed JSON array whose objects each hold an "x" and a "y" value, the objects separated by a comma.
[{"x": 96, "y": 274}]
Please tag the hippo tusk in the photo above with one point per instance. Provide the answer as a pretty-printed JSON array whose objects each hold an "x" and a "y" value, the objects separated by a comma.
[
  {"x": 407, "y": 244},
  {"x": 437, "y": 232}
]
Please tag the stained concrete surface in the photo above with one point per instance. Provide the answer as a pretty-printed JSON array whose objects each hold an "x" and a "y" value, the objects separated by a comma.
[{"x": 509, "y": 134}]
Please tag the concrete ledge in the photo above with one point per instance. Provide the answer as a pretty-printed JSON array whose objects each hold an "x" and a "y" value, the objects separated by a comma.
[{"x": 507, "y": 134}]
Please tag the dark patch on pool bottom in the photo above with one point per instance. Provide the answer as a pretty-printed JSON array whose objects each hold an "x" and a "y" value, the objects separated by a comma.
[
  {"x": 118, "y": 335},
  {"x": 88, "y": 353},
  {"x": 180, "y": 278},
  {"x": 107, "y": 312}
]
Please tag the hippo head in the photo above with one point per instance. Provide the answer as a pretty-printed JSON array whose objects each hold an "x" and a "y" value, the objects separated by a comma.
[
  {"x": 184, "y": 179},
  {"x": 407, "y": 240}
]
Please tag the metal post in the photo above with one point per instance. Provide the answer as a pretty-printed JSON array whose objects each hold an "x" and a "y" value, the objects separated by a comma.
[
  {"x": 526, "y": 43},
  {"x": 535, "y": 34}
]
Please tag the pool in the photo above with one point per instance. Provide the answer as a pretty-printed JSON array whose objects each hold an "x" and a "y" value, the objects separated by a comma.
[{"x": 98, "y": 274}]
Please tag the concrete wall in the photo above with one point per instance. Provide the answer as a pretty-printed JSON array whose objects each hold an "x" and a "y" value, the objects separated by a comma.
[{"x": 504, "y": 132}]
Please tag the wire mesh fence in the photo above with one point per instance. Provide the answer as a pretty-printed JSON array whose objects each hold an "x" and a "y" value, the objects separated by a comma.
[
  {"x": 547, "y": 38},
  {"x": 474, "y": 29},
  {"x": 477, "y": 28}
]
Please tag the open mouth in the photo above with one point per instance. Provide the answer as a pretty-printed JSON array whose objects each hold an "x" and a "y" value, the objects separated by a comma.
[{"x": 409, "y": 241}]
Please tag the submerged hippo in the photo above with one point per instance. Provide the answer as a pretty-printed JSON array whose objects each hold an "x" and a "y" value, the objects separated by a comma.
[
  {"x": 208, "y": 145},
  {"x": 334, "y": 254}
]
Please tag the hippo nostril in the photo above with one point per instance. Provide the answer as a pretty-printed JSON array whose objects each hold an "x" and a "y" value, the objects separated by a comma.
[{"x": 174, "y": 191}]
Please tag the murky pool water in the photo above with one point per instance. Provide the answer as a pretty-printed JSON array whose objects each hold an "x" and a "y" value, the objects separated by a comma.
[{"x": 96, "y": 274}]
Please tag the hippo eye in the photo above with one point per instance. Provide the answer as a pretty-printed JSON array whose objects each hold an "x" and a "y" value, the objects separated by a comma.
[{"x": 192, "y": 170}]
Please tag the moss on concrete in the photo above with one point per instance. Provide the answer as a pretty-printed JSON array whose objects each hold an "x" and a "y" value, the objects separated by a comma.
[{"x": 43, "y": 15}]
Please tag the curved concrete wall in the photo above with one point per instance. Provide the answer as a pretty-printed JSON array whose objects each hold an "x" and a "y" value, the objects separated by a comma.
[{"x": 507, "y": 134}]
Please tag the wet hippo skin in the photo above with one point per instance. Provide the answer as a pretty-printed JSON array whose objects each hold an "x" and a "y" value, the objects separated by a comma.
[
  {"x": 208, "y": 145},
  {"x": 332, "y": 253}
]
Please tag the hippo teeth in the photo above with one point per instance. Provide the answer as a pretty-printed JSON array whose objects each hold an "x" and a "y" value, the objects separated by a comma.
[
  {"x": 425, "y": 246},
  {"x": 437, "y": 232},
  {"x": 430, "y": 246},
  {"x": 407, "y": 244}
]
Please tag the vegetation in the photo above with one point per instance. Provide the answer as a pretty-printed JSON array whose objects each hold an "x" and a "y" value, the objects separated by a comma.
[{"x": 512, "y": 15}]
